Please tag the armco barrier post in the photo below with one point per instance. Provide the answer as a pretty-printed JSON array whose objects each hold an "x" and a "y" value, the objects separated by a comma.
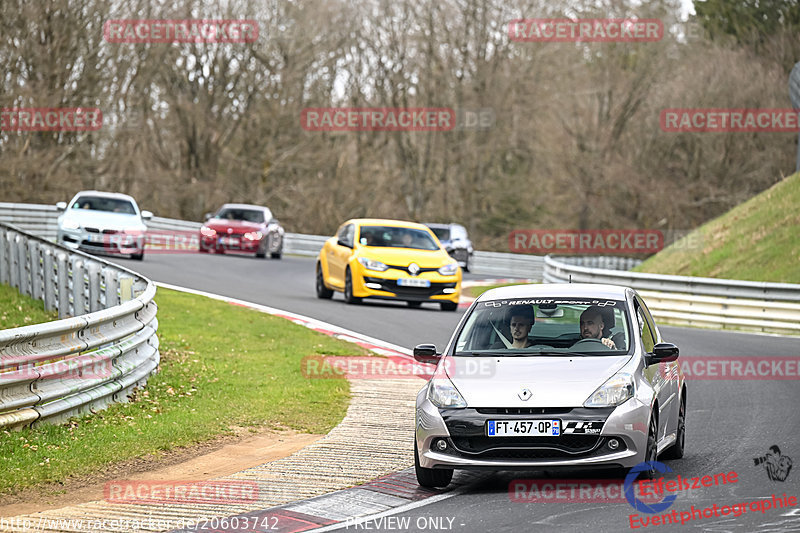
[
  {"x": 62, "y": 289},
  {"x": 13, "y": 265},
  {"x": 125, "y": 288},
  {"x": 22, "y": 263},
  {"x": 35, "y": 267},
  {"x": 4, "y": 256},
  {"x": 93, "y": 273},
  {"x": 49, "y": 279},
  {"x": 112, "y": 287},
  {"x": 78, "y": 292}
]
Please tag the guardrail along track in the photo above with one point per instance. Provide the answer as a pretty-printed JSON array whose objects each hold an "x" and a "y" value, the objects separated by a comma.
[
  {"x": 706, "y": 302},
  {"x": 102, "y": 347}
]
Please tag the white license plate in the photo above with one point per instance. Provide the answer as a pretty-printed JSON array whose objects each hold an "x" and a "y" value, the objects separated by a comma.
[
  {"x": 229, "y": 240},
  {"x": 93, "y": 237},
  {"x": 413, "y": 282},
  {"x": 523, "y": 428}
]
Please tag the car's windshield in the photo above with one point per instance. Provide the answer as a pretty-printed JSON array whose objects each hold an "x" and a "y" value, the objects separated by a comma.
[
  {"x": 101, "y": 203},
  {"x": 235, "y": 213},
  {"x": 396, "y": 237},
  {"x": 546, "y": 326},
  {"x": 443, "y": 234}
]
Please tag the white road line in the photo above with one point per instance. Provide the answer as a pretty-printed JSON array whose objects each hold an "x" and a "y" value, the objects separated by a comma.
[{"x": 390, "y": 512}]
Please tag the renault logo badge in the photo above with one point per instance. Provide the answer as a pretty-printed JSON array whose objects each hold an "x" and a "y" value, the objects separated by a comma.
[
  {"x": 413, "y": 268},
  {"x": 525, "y": 394}
]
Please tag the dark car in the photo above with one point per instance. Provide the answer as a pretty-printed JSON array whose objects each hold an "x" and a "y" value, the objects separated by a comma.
[
  {"x": 242, "y": 228},
  {"x": 455, "y": 240}
]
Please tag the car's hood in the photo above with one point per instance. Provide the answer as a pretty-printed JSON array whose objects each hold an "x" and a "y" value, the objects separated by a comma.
[
  {"x": 236, "y": 225},
  {"x": 103, "y": 219},
  {"x": 404, "y": 256},
  {"x": 553, "y": 381}
]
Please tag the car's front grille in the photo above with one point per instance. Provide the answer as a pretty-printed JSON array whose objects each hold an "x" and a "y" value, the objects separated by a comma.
[
  {"x": 420, "y": 271},
  {"x": 391, "y": 285},
  {"x": 523, "y": 410},
  {"x": 566, "y": 444}
]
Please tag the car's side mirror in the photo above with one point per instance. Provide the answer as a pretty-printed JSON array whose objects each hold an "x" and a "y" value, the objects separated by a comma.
[
  {"x": 663, "y": 352},
  {"x": 340, "y": 242},
  {"x": 207, "y": 216},
  {"x": 147, "y": 215},
  {"x": 426, "y": 353},
  {"x": 61, "y": 206}
]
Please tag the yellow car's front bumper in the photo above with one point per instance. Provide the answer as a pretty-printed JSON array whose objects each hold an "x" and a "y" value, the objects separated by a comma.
[{"x": 386, "y": 285}]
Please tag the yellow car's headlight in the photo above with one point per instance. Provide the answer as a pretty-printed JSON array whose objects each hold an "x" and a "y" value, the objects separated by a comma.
[
  {"x": 449, "y": 269},
  {"x": 372, "y": 264}
]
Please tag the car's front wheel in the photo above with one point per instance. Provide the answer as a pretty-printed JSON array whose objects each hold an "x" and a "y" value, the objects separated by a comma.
[
  {"x": 430, "y": 477},
  {"x": 651, "y": 452},
  {"x": 348, "y": 289},
  {"x": 323, "y": 292},
  {"x": 676, "y": 450},
  {"x": 448, "y": 306}
]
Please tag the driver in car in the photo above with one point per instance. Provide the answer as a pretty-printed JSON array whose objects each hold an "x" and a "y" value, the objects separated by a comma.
[{"x": 592, "y": 326}]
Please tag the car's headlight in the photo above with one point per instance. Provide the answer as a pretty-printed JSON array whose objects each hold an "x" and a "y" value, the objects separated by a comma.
[
  {"x": 444, "y": 395},
  {"x": 372, "y": 264},
  {"x": 70, "y": 224},
  {"x": 207, "y": 232},
  {"x": 449, "y": 269},
  {"x": 617, "y": 390},
  {"x": 253, "y": 235}
]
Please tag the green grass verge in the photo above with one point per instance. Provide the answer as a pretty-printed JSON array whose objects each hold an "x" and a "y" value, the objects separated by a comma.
[
  {"x": 222, "y": 367},
  {"x": 758, "y": 240},
  {"x": 477, "y": 291},
  {"x": 17, "y": 310}
]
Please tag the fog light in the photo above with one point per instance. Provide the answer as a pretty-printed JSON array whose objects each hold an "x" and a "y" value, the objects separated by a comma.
[
  {"x": 441, "y": 445},
  {"x": 613, "y": 444},
  {"x": 373, "y": 286},
  {"x": 448, "y": 290}
]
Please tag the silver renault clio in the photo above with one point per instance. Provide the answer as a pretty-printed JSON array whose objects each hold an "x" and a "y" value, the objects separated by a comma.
[{"x": 542, "y": 377}]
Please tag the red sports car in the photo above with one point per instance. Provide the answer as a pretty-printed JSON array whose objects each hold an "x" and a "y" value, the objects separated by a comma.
[{"x": 242, "y": 228}]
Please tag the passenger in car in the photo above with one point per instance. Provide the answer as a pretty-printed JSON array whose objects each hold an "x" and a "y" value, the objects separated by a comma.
[
  {"x": 592, "y": 326},
  {"x": 520, "y": 322}
]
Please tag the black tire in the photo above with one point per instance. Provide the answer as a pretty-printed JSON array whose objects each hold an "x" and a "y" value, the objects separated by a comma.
[
  {"x": 448, "y": 306},
  {"x": 651, "y": 452},
  {"x": 414, "y": 305},
  {"x": 323, "y": 292},
  {"x": 203, "y": 249},
  {"x": 262, "y": 249},
  {"x": 276, "y": 255},
  {"x": 138, "y": 257},
  {"x": 465, "y": 268},
  {"x": 348, "y": 289},
  {"x": 676, "y": 450},
  {"x": 430, "y": 477}
]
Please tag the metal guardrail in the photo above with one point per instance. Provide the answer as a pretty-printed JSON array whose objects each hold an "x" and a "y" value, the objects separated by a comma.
[
  {"x": 706, "y": 302},
  {"x": 103, "y": 346}
]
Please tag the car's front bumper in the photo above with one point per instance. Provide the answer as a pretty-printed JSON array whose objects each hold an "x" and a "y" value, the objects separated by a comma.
[
  {"x": 385, "y": 286},
  {"x": 468, "y": 446},
  {"x": 118, "y": 243},
  {"x": 239, "y": 244}
]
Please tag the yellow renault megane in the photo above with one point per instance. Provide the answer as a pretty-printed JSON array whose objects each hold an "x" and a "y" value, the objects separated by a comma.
[{"x": 388, "y": 259}]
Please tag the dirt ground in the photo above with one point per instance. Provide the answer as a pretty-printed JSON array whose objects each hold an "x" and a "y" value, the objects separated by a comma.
[{"x": 221, "y": 457}]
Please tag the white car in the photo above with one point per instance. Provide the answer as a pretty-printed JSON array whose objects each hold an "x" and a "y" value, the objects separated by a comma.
[
  {"x": 103, "y": 222},
  {"x": 542, "y": 377}
]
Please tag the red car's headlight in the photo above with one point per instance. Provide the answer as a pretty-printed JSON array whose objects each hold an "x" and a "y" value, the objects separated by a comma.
[{"x": 207, "y": 232}]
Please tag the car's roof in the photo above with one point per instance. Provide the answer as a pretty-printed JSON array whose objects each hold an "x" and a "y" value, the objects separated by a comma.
[
  {"x": 557, "y": 290},
  {"x": 105, "y": 194},
  {"x": 387, "y": 222},
  {"x": 245, "y": 206}
]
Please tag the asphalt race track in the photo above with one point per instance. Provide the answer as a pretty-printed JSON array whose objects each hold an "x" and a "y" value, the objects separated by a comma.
[{"x": 729, "y": 422}]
